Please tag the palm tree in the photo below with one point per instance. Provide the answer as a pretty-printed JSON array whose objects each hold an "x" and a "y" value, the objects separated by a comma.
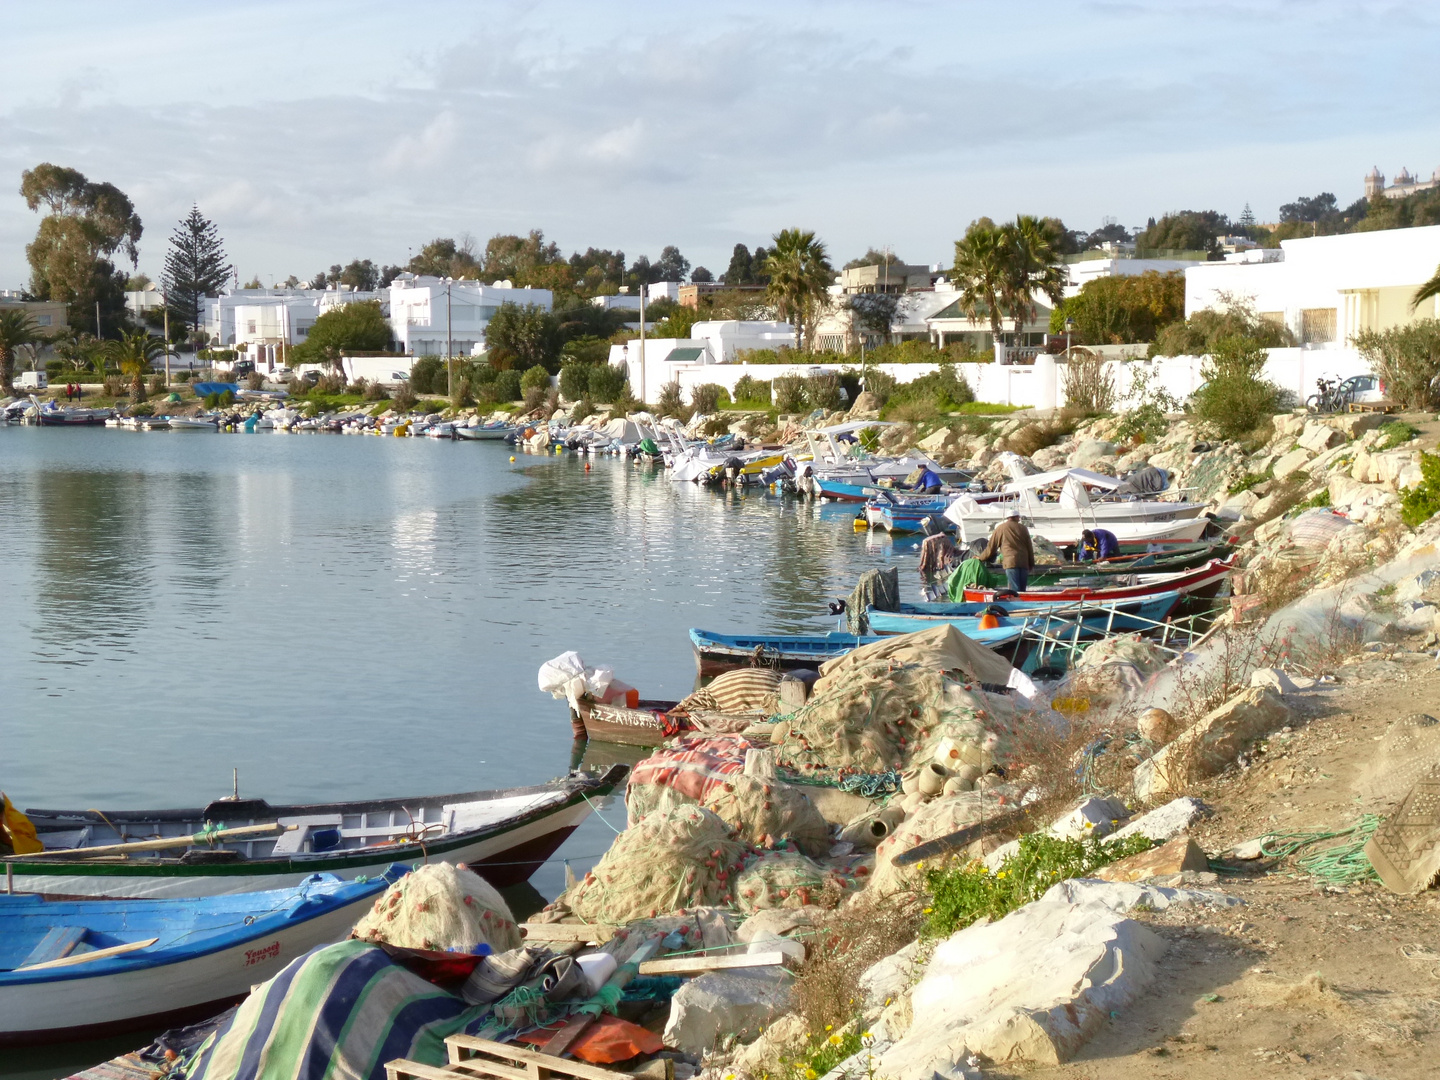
[
  {"x": 1426, "y": 291},
  {"x": 1030, "y": 267},
  {"x": 133, "y": 354},
  {"x": 800, "y": 279},
  {"x": 979, "y": 274},
  {"x": 17, "y": 328}
]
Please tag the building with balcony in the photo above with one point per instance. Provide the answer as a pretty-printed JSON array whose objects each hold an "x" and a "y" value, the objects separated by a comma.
[{"x": 434, "y": 317}]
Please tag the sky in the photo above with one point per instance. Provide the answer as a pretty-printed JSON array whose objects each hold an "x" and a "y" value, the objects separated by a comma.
[{"x": 320, "y": 132}]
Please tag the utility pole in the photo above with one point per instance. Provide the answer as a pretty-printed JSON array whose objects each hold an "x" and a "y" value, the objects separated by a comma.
[
  {"x": 642, "y": 343},
  {"x": 449, "y": 344},
  {"x": 97, "y": 320},
  {"x": 165, "y": 299}
]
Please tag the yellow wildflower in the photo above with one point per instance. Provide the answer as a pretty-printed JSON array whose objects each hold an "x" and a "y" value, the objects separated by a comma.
[
  {"x": 834, "y": 1040},
  {"x": 829, "y": 1027},
  {"x": 927, "y": 911},
  {"x": 811, "y": 1074},
  {"x": 1001, "y": 874}
]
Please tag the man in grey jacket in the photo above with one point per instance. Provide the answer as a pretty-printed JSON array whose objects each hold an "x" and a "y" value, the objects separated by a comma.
[{"x": 1012, "y": 541}]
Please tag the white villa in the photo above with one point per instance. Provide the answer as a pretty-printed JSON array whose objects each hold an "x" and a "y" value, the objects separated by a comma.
[
  {"x": 430, "y": 316},
  {"x": 1326, "y": 289}
]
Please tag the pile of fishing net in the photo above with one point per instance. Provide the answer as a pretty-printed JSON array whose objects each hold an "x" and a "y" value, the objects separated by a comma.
[
  {"x": 440, "y": 907},
  {"x": 879, "y": 716},
  {"x": 934, "y": 819},
  {"x": 1147, "y": 657},
  {"x": 766, "y": 812},
  {"x": 678, "y": 857},
  {"x": 787, "y": 879},
  {"x": 763, "y": 811}
]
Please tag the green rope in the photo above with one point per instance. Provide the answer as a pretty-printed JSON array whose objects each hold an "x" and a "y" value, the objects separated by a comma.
[{"x": 1342, "y": 864}]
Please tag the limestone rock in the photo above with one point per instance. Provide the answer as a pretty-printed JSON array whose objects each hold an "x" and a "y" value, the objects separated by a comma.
[
  {"x": 1089, "y": 452},
  {"x": 1048, "y": 457},
  {"x": 1425, "y": 583},
  {"x": 1288, "y": 424},
  {"x": 1093, "y": 816},
  {"x": 1353, "y": 425},
  {"x": 1237, "y": 506},
  {"x": 1123, "y": 896},
  {"x": 1281, "y": 682},
  {"x": 775, "y": 922},
  {"x": 936, "y": 441},
  {"x": 1416, "y": 617},
  {"x": 1318, "y": 438},
  {"x": 866, "y": 407},
  {"x": 1174, "y": 857},
  {"x": 725, "y": 1003},
  {"x": 1212, "y": 744},
  {"x": 1034, "y": 986},
  {"x": 1165, "y": 822},
  {"x": 786, "y": 1035},
  {"x": 1292, "y": 462},
  {"x": 887, "y": 979}
]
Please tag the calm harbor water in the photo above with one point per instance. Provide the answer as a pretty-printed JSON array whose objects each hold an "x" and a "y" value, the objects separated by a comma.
[{"x": 348, "y": 617}]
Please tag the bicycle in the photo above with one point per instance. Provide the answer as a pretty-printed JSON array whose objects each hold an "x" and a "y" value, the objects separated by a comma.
[{"x": 1329, "y": 398}]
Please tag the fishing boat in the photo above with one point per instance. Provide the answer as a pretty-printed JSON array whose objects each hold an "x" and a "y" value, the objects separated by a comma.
[
  {"x": 1114, "y": 616},
  {"x": 486, "y": 432},
  {"x": 504, "y": 835},
  {"x": 73, "y": 417},
  {"x": 1201, "y": 582},
  {"x": 79, "y": 969},
  {"x": 194, "y": 423},
  {"x": 717, "y": 653},
  {"x": 903, "y": 514},
  {"x": 645, "y": 724}
]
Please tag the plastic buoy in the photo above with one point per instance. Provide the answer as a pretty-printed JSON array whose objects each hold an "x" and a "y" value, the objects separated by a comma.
[
  {"x": 587, "y": 466},
  {"x": 512, "y": 457},
  {"x": 988, "y": 621}
]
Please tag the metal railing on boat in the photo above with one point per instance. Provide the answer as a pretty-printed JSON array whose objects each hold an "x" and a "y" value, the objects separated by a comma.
[{"x": 1074, "y": 634}]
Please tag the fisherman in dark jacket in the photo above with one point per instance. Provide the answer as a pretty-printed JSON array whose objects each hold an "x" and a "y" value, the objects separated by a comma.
[{"x": 1011, "y": 540}]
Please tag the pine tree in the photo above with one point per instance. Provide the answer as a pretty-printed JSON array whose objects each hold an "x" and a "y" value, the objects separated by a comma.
[
  {"x": 195, "y": 267},
  {"x": 1247, "y": 219}
]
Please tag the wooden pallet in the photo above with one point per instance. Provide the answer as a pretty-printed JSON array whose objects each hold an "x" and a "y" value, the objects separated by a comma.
[
  {"x": 472, "y": 1057},
  {"x": 1372, "y": 406}
]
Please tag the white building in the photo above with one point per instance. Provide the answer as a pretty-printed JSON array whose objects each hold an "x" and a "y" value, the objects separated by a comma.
[
  {"x": 720, "y": 342},
  {"x": 624, "y": 302},
  {"x": 246, "y": 317},
  {"x": 433, "y": 317},
  {"x": 1085, "y": 270},
  {"x": 1326, "y": 289}
]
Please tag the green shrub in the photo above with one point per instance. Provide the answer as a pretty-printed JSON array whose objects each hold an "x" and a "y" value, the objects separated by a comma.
[
  {"x": 1235, "y": 400},
  {"x": 1396, "y": 433},
  {"x": 427, "y": 375},
  {"x": 404, "y": 397},
  {"x": 708, "y": 397},
  {"x": 789, "y": 392},
  {"x": 960, "y": 895},
  {"x": 822, "y": 390},
  {"x": 574, "y": 380},
  {"x": 375, "y": 391},
  {"x": 752, "y": 392},
  {"x": 1407, "y": 358},
  {"x": 212, "y": 401},
  {"x": 535, "y": 378},
  {"x": 1320, "y": 498},
  {"x": 507, "y": 386},
  {"x": 145, "y": 409},
  {"x": 1422, "y": 502},
  {"x": 880, "y": 383},
  {"x": 607, "y": 384},
  {"x": 583, "y": 408},
  {"x": 227, "y": 398},
  {"x": 532, "y": 396},
  {"x": 1248, "y": 481},
  {"x": 672, "y": 401},
  {"x": 944, "y": 388}
]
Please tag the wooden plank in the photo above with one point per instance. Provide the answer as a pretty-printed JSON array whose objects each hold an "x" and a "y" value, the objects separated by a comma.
[
  {"x": 97, "y": 954},
  {"x": 542, "y": 1062},
  {"x": 582, "y": 932},
  {"x": 402, "y": 1069},
  {"x": 560, "y": 1042},
  {"x": 55, "y": 945},
  {"x": 694, "y": 965},
  {"x": 223, "y": 836}
]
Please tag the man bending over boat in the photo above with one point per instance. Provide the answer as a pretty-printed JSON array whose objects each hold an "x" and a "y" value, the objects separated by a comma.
[
  {"x": 1097, "y": 545},
  {"x": 1012, "y": 541},
  {"x": 929, "y": 482}
]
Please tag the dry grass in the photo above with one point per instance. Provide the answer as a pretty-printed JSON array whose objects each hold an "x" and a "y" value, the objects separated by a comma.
[
  {"x": 846, "y": 942},
  {"x": 1238, "y": 651},
  {"x": 1037, "y": 436}
]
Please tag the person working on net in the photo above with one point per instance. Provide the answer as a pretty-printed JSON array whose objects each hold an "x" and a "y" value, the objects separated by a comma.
[
  {"x": 938, "y": 556},
  {"x": 1012, "y": 541},
  {"x": 929, "y": 482},
  {"x": 1098, "y": 544}
]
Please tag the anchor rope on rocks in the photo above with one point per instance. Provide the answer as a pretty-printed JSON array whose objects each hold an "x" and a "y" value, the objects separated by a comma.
[{"x": 1343, "y": 864}]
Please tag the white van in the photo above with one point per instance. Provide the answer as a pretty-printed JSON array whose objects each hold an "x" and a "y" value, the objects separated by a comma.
[{"x": 32, "y": 380}]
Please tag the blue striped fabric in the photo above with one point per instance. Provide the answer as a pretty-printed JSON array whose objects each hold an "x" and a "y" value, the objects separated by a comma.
[{"x": 337, "y": 1013}]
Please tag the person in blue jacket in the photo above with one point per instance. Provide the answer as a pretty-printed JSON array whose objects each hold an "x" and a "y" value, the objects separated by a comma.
[
  {"x": 929, "y": 482},
  {"x": 1098, "y": 544}
]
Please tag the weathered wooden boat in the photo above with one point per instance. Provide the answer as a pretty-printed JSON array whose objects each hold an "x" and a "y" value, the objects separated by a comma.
[
  {"x": 74, "y": 969},
  {"x": 503, "y": 835},
  {"x": 1115, "y": 616},
  {"x": 1201, "y": 582},
  {"x": 717, "y": 653},
  {"x": 644, "y": 725}
]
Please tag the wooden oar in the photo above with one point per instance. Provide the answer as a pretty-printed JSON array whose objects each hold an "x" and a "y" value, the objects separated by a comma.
[
  {"x": 222, "y": 836},
  {"x": 96, "y": 954}
]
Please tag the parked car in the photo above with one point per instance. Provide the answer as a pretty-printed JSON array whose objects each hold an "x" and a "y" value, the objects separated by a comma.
[
  {"x": 1362, "y": 388},
  {"x": 242, "y": 368}
]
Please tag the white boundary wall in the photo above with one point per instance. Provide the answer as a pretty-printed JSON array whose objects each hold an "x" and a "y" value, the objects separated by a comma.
[{"x": 1043, "y": 384}]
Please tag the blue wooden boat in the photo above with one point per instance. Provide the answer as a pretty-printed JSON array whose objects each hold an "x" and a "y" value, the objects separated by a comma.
[
  {"x": 716, "y": 653},
  {"x": 74, "y": 969},
  {"x": 1119, "y": 616}
]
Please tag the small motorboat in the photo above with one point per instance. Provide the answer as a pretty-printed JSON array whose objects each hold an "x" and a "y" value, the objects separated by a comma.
[
  {"x": 194, "y": 423},
  {"x": 1202, "y": 582},
  {"x": 503, "y": 835},
  {"x": 1114, "y": 616},
  {"x": 79, "y": 969},
  {"x": 486, "y": 432},
  {"x": 57, "y": 417}
]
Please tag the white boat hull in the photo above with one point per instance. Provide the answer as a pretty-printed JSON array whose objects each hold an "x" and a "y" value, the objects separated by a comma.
[
  {"x": 195, "y": 987},
  {"x": 182, "y": 885}
]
